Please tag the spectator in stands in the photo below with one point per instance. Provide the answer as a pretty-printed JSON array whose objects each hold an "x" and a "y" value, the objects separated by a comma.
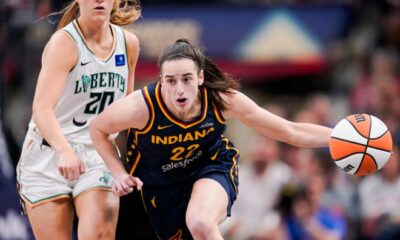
[
  {"x": 307, "y": 218},
  {"x": 262, "y": 178},
  {"x": 379, "y": 199}
]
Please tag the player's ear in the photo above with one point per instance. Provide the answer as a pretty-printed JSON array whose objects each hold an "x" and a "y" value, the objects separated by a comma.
[{"x": 201, "y": 77}]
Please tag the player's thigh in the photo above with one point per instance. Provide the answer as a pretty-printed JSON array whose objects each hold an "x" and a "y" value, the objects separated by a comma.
[
  {"x": 97, "y": 208},
  {"x": 208, "y": 200},
  {"x": 54, "y": 218},
  {"x": 166, "y": 208}
]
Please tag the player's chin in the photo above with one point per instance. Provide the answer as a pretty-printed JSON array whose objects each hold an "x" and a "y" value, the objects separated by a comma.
[
  {"x": 182, "y": 105},
  {"x": 99, "y": 17}
]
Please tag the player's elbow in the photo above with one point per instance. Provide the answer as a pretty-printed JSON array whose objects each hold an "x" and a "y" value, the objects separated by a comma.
[
  {"x": 40, "y": 110},
  {"x": 93, "y": 127},
  {"x": 291, "y": 134},
  {"x": 94, "y": 131},
  {"x": 35, "y": 112}
]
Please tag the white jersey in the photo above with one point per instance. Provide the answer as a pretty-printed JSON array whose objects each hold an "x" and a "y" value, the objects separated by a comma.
[{"x": 92, "y": 85}]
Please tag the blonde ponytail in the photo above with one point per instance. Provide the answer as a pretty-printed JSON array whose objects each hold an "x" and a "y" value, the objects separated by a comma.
[
  {"x": 125, "y": 12},
  {"x": 70, "y": 13}
]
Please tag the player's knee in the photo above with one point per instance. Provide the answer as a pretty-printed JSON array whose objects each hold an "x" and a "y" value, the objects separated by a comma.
[
  {"x": 199, "y": 227},
  {"x": 110, "y": 215},
  {"x": 101, "y": 228},
  {"x": 104, "y": 232}
]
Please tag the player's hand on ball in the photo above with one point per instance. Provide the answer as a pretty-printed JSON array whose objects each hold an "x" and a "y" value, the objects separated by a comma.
[{"x": 125, "y": 183}]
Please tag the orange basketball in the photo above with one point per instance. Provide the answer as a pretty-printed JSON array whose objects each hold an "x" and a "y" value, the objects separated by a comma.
[{"x": 360, "y": 144}]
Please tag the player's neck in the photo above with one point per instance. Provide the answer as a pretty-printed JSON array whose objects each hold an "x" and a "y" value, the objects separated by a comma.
[
  {"x": 93, "y": 31},
  {"x": 191, "y": 114}
]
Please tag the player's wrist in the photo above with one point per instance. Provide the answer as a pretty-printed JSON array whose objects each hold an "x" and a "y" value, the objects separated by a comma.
[
  {"x": 118, "y": 173},
  {"x": 67, "y": 149}
]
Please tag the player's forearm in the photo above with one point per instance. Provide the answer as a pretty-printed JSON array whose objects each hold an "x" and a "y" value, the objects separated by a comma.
[
  {"x": 107, "y": 151},
  {"x": 49, "y": 128},
  {"x": 310, "y": 135}
]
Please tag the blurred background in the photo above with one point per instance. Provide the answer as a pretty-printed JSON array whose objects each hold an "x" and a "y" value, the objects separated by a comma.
[{"x": 306, "y": 60}]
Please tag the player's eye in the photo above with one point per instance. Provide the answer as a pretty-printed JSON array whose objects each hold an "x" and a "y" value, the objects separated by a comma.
[{"x": 171, "y": 81}]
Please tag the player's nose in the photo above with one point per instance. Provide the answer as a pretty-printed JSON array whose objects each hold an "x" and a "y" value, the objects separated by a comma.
[{"x": 180, "y": 88}]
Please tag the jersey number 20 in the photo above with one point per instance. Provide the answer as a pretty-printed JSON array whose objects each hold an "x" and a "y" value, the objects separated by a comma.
[{"x": 99, "y": 102}]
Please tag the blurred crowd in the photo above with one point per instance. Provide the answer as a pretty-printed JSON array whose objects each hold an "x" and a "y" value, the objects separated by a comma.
[{"x": 284, "y": 192}]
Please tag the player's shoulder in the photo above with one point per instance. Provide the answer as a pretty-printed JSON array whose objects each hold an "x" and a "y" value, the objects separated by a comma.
[
  {"x": 63, "y": 41},
  {"x": 150, "y": 88},
  {"x": 231, "y": 95},
  {"x": 132, "y": 40},
  {"x": 61, "y": 47}
]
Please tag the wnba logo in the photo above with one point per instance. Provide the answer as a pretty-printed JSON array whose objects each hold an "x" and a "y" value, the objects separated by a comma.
[
  {"x": 359, "y": 118},
  {"x": 348, "y": 168}
]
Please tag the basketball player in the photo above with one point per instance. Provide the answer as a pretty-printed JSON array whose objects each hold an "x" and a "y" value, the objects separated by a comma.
[
  {"x": 176, "y": 147},
  {"x": 86, "y": 65}
]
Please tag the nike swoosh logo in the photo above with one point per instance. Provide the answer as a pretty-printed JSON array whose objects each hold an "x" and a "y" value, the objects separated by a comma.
[
  {"x": 79, "y": 124},
  {"x": 213, "y": 157},
  {"x": 83, "y": 64},
  {"x": 159, "y": 127}
]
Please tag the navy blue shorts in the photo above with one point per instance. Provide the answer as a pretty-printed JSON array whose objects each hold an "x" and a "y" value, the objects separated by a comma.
[{"x": 166, "y": 205}]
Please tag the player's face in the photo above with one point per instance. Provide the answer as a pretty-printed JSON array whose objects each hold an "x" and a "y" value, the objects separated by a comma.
[
  {"x": 180, "y": 81},
  {"x": 96, "y": 10}
]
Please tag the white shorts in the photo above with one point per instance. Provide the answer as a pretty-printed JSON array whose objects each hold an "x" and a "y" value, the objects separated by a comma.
[{"x": 39, "y": 180}]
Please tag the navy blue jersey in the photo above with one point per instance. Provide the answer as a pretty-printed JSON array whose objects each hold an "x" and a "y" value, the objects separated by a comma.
[
  {"x": 170, "y": 151},
  {"x": 166, "y": 205}
]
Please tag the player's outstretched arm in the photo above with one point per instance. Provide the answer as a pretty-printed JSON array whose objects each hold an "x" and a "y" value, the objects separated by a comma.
[
  {"x": 298, "y": 134},
  {"x": 129, "y": 112}
]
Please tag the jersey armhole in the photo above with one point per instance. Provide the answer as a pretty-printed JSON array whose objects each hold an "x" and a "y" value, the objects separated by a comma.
[
  {"x": 126, "y": 49},
  {"x": 150, "y": 106},
  {"x": 218, "y": 115},
  {"x": 77, "y": 49}
]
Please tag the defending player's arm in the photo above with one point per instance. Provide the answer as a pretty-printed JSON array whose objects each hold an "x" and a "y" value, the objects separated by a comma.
[
  {"x": 56, "y": 63},
  {"x": 133, "y": 48},
  {"x": 273, "y": 126},
  {"x": 129, "y": 112}
]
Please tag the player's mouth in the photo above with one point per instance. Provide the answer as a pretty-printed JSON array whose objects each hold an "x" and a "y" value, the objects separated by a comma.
[
  {"x": 182, "y": 101},
  {"x": 99, "y": 8}
]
